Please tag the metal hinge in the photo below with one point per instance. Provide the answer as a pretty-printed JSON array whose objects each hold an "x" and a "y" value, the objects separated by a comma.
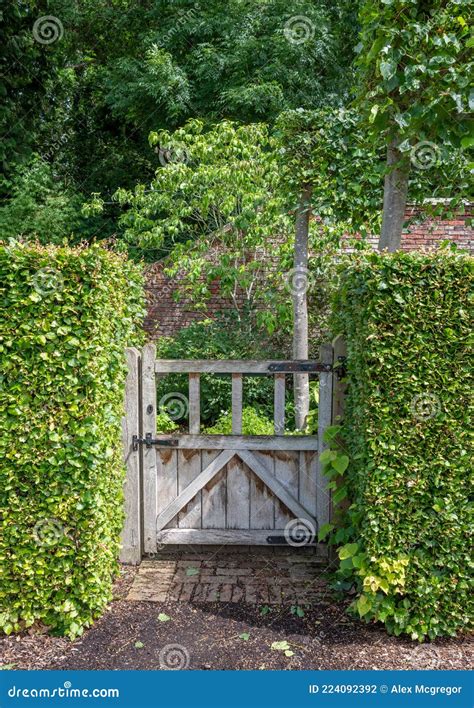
[
  {"x": 149, "y": 441},
  {"x": 340, "y": 369},
  {"x": 301, "y": 366},
  {"x": 282, "y": 540}
]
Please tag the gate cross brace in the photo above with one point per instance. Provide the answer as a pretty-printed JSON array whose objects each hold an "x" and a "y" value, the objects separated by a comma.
[{"x": 278, "y": 489}]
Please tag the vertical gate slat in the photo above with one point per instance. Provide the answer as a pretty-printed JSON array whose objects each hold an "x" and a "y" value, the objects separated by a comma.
[
  {"x": 189, "y": 466},
  {"x": 167, "y": 482},
  {"x": 262, "y": 501},
  {"x": 237, "y": 404},
  {"x": 131, "y": 546},
  {"x": 279, "y": 404},
  {"x": 326, "y": 355},
  {"x": 286, "y": 472},
  {"x": 150, "y": 510},
  {"x": 238, "y": 494},
  {"x": 307, "y": 486},
  {"x": 214, "y": 494},
  {"x": 194, "y": 404}
]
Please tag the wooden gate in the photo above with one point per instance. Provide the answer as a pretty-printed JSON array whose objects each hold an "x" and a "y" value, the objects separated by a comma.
[{"x": 222, "y": 489}]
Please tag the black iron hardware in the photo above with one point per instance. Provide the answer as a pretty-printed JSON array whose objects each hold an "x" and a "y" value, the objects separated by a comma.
[
  {"x": 279, "y": 540},
  {"x": 340, "y": 369},
  {"x": 149, "y": 441},
  {"x": 301, "y": 366}
]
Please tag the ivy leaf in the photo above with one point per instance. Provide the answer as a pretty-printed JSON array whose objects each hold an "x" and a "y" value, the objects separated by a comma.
[
  {"x": 245, "y": 636},
  {"x": 139, "y": 645},
  {"x": 192, "y": 571},
  {"x": 341, "y": 463},
  {"x": 348, "y": 550},
  {"x": 387, "y": 69},
  {"x": 163, "y": 617}
]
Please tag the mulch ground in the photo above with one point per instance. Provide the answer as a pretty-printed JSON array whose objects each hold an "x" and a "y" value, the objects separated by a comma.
[{"x": 217, "y": 635}]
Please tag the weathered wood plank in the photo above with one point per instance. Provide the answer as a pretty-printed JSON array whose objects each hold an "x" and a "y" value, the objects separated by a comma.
[
  {"x": 307, "y": 484},
  {"x": 338, "y": 396},
  {"x": 216, "y": 537},
  {"x": 223, "y": 366},
  {"x": 324, "y": 421},
  {"x": 245, "y": 442},
  {"x": 167, "y": 481},
  {"x": 262, "y": 501},
  {"x": 189, "y": 467},
  {"x": 238, "y": 494},
  {"x": 194, "y": 404},
  {"x": 276, "y": 487},
  {"x": 279, "y": 404},
  {"x": 131, "y": 543},
  {"x": 193, "y": 488},
  {"x": 339, "y": 386},
  {"x": 149, "y": 454},
  {"x": 236, "y": 404},
  {"x": 286, "y": 472},
  {"x": 214, "y": 494}
]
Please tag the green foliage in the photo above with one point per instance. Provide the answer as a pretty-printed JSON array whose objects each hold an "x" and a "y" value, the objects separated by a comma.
[
  {"x": 66, "y": 316},
  {"x": 40, "y": 207},
  {"x": 227, "y": 337},
  {"x": 407, "y": 319},
  {"x": 328, "y": 149},
  {"x": 252, "y": 424},
  {"x": 414, "y": 85}
]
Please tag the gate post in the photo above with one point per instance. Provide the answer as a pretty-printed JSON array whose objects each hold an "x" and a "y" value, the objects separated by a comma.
[
  {"x": 339, "y": 392},
  {"x": 131, "y": 543},
  {"x": 150, "y": 501},
  {"x": 339, "y": 388},
  {"x": 323, "y": 497}
]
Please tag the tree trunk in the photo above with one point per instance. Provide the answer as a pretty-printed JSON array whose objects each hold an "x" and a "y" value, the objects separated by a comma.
[
  {"x": 299, "y": 286},
  {"x": 394, "y": 199}
]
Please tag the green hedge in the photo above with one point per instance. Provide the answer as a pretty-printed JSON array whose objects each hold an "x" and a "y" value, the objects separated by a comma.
[
  {"x": 407, "y": 319},
  {"x": 66, "y": 316}
]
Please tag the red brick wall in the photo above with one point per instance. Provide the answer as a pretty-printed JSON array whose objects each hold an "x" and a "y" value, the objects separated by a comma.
[{"x": 166, "y": 317}]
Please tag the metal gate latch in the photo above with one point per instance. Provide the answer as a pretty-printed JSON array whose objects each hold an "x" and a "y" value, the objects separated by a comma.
[{"x": 149, "y": 441}]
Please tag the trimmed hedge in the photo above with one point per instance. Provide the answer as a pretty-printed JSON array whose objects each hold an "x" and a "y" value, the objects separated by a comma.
[
  {"x": 407, "y": 319},
  {"x": 66, "y": 317}
]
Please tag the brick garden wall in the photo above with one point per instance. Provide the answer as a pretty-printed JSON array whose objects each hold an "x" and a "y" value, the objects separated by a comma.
[{"x": 166, "y": 317}]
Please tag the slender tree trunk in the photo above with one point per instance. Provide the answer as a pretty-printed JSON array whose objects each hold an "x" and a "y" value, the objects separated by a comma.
[
  {"x": 299, "y": 287},
  {"x": 394, "y": 199}
]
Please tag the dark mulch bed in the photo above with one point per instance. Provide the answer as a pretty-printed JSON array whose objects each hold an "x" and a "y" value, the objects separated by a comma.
[{"x": 208, "y": 636}]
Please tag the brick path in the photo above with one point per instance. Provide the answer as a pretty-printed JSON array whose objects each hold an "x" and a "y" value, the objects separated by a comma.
[{"x": 209, "y": 577}]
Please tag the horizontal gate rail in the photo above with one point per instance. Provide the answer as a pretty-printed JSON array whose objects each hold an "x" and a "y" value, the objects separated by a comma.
[
  {"x": 239, "y": 442},
  {"x": 235, "y": 366}
]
